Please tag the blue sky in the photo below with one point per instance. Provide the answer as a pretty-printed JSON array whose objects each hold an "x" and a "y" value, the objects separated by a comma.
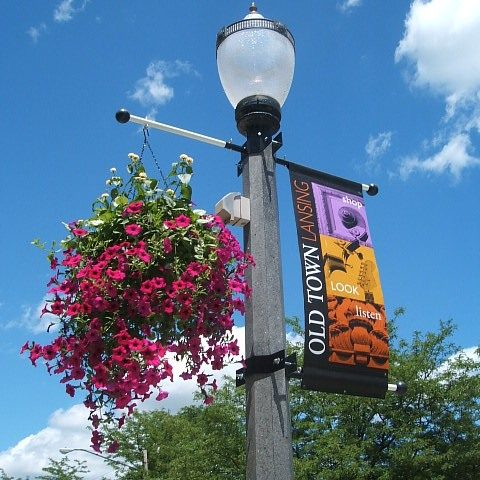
[{"x": 383, "y": 92}]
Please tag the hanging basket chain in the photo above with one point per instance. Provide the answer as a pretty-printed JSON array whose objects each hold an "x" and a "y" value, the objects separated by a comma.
[
  {"x": 146, "y": 143},
  {"x": 146, "y": 135}
]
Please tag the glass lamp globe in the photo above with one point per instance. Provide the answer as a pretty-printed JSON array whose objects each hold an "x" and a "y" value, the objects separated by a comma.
[{"x": 256, "y": 60}]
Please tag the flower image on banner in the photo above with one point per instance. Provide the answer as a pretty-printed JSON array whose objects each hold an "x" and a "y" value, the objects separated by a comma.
[{"x": 145, "y": 278}]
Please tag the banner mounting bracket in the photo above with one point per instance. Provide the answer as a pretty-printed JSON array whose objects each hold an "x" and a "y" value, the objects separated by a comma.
[{"x": 266, "y": 364}]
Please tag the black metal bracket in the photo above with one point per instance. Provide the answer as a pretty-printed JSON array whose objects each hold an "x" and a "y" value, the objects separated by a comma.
[
  {"x": 277, "y": 143},
  {"x": 264, "y": 364},
  {"x": 260, "y": 144},
  {"x": 243, "y": 160}
]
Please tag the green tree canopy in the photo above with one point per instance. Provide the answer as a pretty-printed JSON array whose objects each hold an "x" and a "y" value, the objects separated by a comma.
[
  {"x": 433, "y": 432},
  {"x": 197, "y": 443},
  {"x": 63, "y": 469}
]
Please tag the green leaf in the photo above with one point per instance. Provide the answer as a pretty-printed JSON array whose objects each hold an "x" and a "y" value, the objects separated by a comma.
[
  {"x": 106, "y": 216},
  {"x": 186, "y": 191},
  {"x": 36, "y": 243},
  {"x": 169, "y": 201},
  {"x": 121, "y": 200}
]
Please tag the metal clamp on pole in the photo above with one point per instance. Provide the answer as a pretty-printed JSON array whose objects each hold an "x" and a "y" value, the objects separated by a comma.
[
  {"x": 261, "y": 364},
  {"x": 264, "y": 364}
]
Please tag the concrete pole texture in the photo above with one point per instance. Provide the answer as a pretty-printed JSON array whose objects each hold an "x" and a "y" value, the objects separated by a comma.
[{"x": 269, "y": 438}]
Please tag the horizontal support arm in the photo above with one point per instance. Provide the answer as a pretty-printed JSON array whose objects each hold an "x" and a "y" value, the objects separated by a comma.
[{"x": 123, "y": 116}]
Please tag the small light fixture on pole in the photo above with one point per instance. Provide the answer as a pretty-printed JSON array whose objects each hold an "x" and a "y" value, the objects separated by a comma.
[{"x": 256, "y": 59}]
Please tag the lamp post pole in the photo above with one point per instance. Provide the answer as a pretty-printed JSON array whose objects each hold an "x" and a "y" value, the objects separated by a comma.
[
  {"x": 269, "y": 442},
  {"x": 255, "y": 58}
]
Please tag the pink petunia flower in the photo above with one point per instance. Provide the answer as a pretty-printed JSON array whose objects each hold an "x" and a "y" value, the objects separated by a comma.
[
  {"x": 116, "y": 275},
  {"x": 161, "y": 395},
  {"x": 79, "y": 232},
  {"x": 170, "y": 224},
  {"x": 182, "y": 221},
  {"x": 72, "y": 261},
  {"x": 134, "y": 230},
  {"x": 158, "y": 283},
  {"x": 133, "y": 209},
  {"x": 167, "y": 246}
]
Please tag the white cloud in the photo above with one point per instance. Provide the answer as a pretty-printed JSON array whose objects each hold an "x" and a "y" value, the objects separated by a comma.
[
  {"x": 35, "y": 32},
  {"x": 153, "y": 89},
  {"x": 378, "y": 145},
  {"x": 31, "y": 319},
  {"x": 66, "y": 428},
  {"x": 66, "y": 10},
  {"x": 348, "y": 5},
  {"x": 454, "y": 157},
  {"x": 441, "y": 44},
  {"x": 470, "y": 353},
  {"x": 440, "y": 48}
]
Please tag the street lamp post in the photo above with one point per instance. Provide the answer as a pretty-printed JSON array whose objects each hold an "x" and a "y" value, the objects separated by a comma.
[{"x": 256, "y": 58}]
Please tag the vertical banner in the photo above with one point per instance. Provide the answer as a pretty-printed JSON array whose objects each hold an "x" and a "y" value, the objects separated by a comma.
[{"x": 346, "y": 340}]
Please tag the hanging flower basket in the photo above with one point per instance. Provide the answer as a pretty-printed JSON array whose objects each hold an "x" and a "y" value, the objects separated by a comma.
[{"x": 145, "y": 279}]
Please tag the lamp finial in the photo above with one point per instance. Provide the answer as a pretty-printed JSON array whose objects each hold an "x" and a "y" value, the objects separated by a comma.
[{"x": 253, "y": 7}]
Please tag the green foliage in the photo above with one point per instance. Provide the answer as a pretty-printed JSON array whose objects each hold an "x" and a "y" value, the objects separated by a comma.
[
  {"x": 197, "y": 443},
  {"x": 56, "y": 470},
  {"x": 4, "y": 476},
  {"x": 63, "y": 469},
  {"x": 433, "y": 432}
]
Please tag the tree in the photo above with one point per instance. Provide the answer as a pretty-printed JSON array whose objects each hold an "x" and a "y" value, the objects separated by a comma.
[
  {"x": 63, "y": 470},
  {"x": 56, "y": 470},
  {"x": 197, "y": 443},
  {"x": 433, "y": 432},
  {"x": 4, "y": 476}
]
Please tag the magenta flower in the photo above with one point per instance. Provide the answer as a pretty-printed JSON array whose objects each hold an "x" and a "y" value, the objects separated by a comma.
[
  {"x": 133, "y": 209},
  {"x": 162, "y": 395},
  {"x": 72, "y": 261},
  {"x": 147, "y": 287},
  {"x": 57, "y": 307},
  {"x": 167, "y": 246},
  {"x": 116, "y": 275},
  {"x": 74, "y": 310},
  {"x": 79, "y": 232},
  {"x": 134, "y": 230},
  {"x": 113, "y": 447},
  {"x": 158, "y": 283},
  {"x": 236, "y": 286},
  {"x": 144, "y": 256},
  {"x": 182, "y": 221},
  {"x": 195, "y": 269},
  {"x": 170, "y": 224}
]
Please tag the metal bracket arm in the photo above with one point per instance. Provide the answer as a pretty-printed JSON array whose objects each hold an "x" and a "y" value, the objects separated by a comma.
[{"x": 265, "y": 364}]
